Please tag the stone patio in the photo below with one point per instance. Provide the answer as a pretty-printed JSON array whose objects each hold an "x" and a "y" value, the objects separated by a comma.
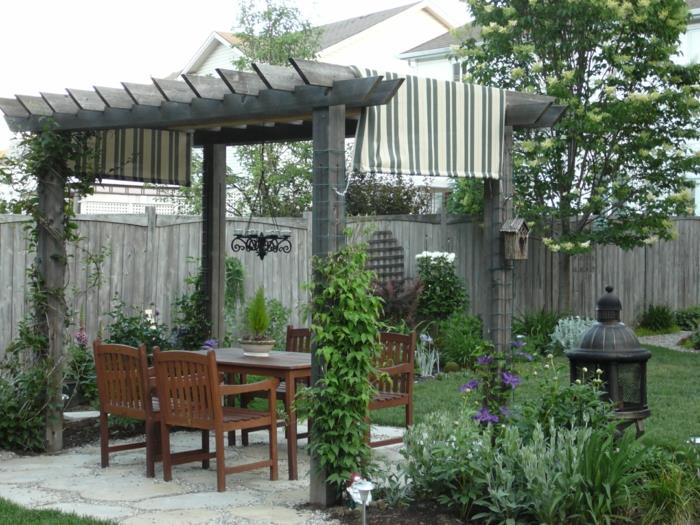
[{"x": 73, "y": 481}]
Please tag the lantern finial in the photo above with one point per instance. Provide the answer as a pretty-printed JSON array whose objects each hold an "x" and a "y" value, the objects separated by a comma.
[{"x": 608, "y": 307}]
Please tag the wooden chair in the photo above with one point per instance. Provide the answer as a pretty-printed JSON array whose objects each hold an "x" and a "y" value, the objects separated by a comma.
[
  {"x": 396, "y": 362},
  {"x": 192, "y": 396},
  {"x": 124, "y": 390},
  {"x": 298, "y": 340}
]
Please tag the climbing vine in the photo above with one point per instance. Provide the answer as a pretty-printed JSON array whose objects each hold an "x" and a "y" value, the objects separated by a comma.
[
  {"x": 345, "y": 327},
  {"x": 45, "y": 163}
]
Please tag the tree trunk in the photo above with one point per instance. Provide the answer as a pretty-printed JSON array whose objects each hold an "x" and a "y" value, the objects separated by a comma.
[
  {"x": 51, "y": 259},
  {"x": 564, "y": 297}
]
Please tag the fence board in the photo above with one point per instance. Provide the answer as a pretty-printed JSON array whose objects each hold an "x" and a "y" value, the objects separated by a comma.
[{"x": 663, "y": 273}]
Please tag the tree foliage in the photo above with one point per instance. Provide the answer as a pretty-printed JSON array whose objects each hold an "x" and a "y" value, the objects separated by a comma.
[
  {"x": 612, "y": 171},
  {"x": 373, "y": 194},
  {"x": 271, "y": 32}
]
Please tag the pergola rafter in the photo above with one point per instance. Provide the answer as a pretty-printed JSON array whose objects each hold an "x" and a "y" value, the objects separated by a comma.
[{"x": 269, "y": 95}]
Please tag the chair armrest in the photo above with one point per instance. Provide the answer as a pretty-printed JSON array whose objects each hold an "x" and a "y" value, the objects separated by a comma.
[
  {"x": 396, "y": 369},
  {"x": 260, "y": 386}
]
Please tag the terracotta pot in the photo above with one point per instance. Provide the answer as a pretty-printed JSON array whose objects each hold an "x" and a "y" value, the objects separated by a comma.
[{"x": 257, "y": 348}]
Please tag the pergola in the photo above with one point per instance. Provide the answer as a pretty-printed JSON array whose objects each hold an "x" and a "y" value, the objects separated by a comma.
[{"x": 308, "y": 101}]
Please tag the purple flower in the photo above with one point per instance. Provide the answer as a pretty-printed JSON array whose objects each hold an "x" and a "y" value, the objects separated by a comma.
[
  {"x": 484, "y": 416},
  {"x": 81, "y": 337},
  {"x": 518, "y": 343},
  {"x": 209, "y": 344},
  {"x": 469, "y": 386},
  {"x": 510, "y": 380},
  {"x": 505, "y": 411},
  {"x": 156, "y": 312},
  {"x": 525, "y": 355},
  {"x": 484, "y": 360}
]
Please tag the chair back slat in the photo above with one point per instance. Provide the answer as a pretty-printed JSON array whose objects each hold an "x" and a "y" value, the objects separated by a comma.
[
  {"x": 122, "y": 379},
  {"x": 298, "y": 339},
  {"x": 397, "y": 353},
  {"x": 186, "y": 389}
]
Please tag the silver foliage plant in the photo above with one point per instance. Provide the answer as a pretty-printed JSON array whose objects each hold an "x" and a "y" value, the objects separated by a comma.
[{"x": 569, "y": 331}]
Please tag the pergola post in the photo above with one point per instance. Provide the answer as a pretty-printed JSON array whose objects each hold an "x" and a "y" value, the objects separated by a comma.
[
  {"x": 498, "y": 206},
  {"x": 327, "y": 226},
  {"x": 51, "y": 314},
  {"x": 214, "y": 235}
]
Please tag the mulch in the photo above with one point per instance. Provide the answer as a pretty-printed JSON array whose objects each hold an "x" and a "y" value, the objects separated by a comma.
[{"x": 87, "y": 431}]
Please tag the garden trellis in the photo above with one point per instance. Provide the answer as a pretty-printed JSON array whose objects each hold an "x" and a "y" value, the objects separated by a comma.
[{"x": 309, "y": 101}]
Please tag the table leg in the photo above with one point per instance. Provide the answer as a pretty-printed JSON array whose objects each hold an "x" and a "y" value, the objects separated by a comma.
[{"x": 291, "y": 426}]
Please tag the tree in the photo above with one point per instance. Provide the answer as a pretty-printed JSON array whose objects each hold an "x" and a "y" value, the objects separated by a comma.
[
  {"x": 372, "y": 194},
  {"x": 272, "y": 34},
  {"x": 612, "y": 171}
]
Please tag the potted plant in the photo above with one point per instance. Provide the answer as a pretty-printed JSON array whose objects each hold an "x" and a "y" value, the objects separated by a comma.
[{"x": 256, "y": 341}]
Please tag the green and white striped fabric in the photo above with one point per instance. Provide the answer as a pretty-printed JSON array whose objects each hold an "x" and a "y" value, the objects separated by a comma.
[
  {"x": 144, "y": 155},
  {"x": 433, "y": 128}
]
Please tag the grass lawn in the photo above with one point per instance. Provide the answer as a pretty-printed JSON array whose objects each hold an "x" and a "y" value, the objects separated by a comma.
[
  {"x": 673, "y": 395},
  {"x": 17, "y": 515}
]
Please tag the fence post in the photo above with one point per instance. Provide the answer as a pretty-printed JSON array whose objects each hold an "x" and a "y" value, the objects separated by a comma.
[{"x": 151, "y": 259}]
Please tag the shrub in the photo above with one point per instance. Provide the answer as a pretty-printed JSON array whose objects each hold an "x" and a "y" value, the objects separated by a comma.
[
  {"x": 345, "y": 324},
  {"x": 400, "y": 300},
  {"x": 657, "y": 318},
  {"x": 131, "y": 326},
  {"x": 537, "y": 329},
  {"x": 191, "y": 324},
  {"x": 257, "y": 320},
  {"x": 447, "y": 460},
  {"x": 570, "y": 405},
  {"x": 451, "y": 366},
  {"x": 459, "y": 339},
  {"x": 80, "y": 369},
  {"x": 427, "y": 356},
  {"x": 22, "y": 405},
  {"x": 694, "y": 339},
  {"x": 568, "y": 333},
  {"x": 443, "y": 291},
  {"x": 279, "y": 318},
  {"x": 689, "y": 318}
]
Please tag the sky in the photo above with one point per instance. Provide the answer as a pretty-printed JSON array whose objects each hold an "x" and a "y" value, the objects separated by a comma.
[{"x": 50, "y": 45}]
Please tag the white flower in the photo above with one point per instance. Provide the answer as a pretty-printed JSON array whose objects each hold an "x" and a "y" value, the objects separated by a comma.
[
  {"x": 578, "y": 381},
  {"x": 549, "y": 356},
  {"x": 584, "y": 369},
  {"x": 598, "y": 371},
  {"x": 546, "y": 367}
]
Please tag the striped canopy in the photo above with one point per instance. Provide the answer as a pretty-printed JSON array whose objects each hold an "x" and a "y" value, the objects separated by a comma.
[
  {"x": 433, "y": 128},
  {"x": 144, "y": 155}
]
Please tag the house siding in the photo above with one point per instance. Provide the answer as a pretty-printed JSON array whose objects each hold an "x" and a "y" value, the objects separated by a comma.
[{"x": 221, "y": 57}]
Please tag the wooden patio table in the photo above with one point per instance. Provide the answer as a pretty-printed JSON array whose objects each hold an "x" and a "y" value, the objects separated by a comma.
[{"x": 287, "y": 366}]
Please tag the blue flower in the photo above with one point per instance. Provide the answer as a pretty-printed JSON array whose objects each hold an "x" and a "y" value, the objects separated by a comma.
[
  {"x": 484, "y": 416},
  {"x": 484, "y": 360},
  {"x": 510, "y": 380},
  {"x": 209, "y": 344},
  {"x": 469, "y": 386}
]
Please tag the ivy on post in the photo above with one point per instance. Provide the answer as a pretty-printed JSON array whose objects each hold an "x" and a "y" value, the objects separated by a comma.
[
  {"x": 328, "y": 224},
  {"x": 49, "y": 171}
]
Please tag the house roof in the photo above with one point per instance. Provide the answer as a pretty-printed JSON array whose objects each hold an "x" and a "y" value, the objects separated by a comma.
[
  {"x": 229, "y": 37},
  {"x": 447, "y": 39},
  {"x": 337, "y": 31}
]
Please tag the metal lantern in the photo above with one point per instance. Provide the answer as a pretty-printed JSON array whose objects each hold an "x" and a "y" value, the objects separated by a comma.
[{"x": 611, "y": 347}]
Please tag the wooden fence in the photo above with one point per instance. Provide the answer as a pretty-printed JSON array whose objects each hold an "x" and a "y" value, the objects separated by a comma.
[{"x": 149, "y": 258}]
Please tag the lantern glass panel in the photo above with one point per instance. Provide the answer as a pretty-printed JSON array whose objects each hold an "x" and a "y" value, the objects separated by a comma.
[{"x": 629, "y": 383}]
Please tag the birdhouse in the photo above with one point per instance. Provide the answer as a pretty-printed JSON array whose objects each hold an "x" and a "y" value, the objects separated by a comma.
[{"x": 515, "y": 233}]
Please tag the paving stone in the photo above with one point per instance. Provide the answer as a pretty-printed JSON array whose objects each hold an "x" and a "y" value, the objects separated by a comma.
[
  {"x": 181, "y": 517},
  {"x": 46, "y": 462},
  {"x": 38, "y": 475},
  {"x": 28, "y": 496},
  {"x": 199, "y": 500},
  {"x": 81, "y": 415},
  {"x": 270, "y": 515},
  {"x": 104, "y": 512}
]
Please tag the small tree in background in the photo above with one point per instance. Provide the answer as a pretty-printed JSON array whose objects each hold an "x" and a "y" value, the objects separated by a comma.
[
  {"x": 613, "y": 170},
  {"x": 373, "y": 194}
]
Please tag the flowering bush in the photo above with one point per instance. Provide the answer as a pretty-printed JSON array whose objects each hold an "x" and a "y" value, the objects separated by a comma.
[
  {"x": 494, "y": 385},
  {"x": 567, "y": 405},
  {"x": 133, "y": 326},
  {"x": 443, "y": 291},
  {"x": 80, "y": 372}
]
